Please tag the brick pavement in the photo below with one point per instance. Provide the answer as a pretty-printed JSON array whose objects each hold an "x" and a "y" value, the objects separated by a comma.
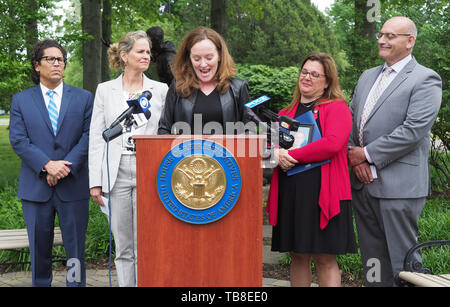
[{"x": 94, "y": 278}]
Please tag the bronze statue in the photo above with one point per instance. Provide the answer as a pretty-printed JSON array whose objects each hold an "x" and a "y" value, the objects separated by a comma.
[{"x": 163, "y": 54}]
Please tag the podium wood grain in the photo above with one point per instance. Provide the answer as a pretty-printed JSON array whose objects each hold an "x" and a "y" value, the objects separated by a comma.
[{"x": 172, "y": 252}]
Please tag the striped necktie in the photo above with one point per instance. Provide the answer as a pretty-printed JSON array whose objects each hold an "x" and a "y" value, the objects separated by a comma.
[
  {"x": 372, "y": 100},
  {"x": 52, "y": 111}
]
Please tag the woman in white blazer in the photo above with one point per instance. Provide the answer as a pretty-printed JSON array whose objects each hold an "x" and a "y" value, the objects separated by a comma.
[{"x": 132, "y": 55}]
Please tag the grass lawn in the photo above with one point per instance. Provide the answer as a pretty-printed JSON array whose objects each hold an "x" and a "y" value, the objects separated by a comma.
[{"x": 9, "y": 161}]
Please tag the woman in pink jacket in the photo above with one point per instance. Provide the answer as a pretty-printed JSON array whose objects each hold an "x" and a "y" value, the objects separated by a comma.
[{"x": 311, "y": 210}]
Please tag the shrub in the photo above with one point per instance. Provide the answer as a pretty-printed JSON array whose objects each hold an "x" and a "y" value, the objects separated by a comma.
[{"x": 276, "y": 82}]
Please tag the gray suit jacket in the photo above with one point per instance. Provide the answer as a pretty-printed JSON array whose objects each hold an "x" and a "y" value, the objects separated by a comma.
[
  {"x": 397, "y": 132},
  {"x": 109, "y": 103}
]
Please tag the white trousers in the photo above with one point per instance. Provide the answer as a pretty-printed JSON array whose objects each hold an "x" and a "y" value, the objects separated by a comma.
[{"x": 123, "y": 221}]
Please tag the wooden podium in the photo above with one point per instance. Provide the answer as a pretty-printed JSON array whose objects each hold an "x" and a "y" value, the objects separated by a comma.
[{"x": 224, "y": 253}]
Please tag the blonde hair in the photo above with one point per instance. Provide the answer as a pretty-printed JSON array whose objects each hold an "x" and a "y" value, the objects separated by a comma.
[
  {"x": 186, "y": 79},
  {"x": 125, "y": 44},
  {"x": 333, "y": 91}
]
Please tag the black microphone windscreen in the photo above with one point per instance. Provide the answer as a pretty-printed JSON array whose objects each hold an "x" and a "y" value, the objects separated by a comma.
[{"x": 113, "y": 132}]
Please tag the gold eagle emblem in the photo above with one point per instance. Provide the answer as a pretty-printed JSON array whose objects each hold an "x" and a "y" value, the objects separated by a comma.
[{"x": 198, "y": 182}]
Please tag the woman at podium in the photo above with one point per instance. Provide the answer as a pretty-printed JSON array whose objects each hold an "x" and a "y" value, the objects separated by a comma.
[
  {"x": 205, "y": 95},
  {"x": 132, "y": 55},
  {"x": 311, "y": 210}
]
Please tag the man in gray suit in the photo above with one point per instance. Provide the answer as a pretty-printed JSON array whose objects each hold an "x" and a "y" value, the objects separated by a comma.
[{"x": 394, "y": 107}]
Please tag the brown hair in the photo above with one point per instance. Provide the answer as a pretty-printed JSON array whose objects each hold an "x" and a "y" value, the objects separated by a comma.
[
  {"x": 125, "y": 44},
  {"x": 186, "y": 79},
  {"x": 333, "y": 91}
]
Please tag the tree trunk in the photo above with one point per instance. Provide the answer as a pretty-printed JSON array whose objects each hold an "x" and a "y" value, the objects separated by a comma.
[
  {"x": 106, "y": 39},
  {"x": 31, "y": 28},
  {"x": 364, "y": 51},
  {"x": 365, "y": 24},
  {"x": 92, "y": 49},
  {"x": 219, "y": 16}
]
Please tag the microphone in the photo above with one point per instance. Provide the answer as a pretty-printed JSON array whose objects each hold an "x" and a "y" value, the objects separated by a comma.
[
  {"x": 285, "y": 121},
  {"x": 254, "y": 103},
  {"x": 113, "y": 132},
  {"x": 139, "y": 103},
  {"x": 285, "y": 138}
]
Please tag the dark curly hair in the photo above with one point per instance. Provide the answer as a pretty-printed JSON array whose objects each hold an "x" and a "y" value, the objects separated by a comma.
[{"x": 38, "y": 52}]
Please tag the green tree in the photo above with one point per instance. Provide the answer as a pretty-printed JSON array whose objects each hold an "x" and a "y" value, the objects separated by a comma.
[
  {"x": 282, "y": 35},
  {"x": 18, "y": 34},
  {"x": 270, "y": 32}
]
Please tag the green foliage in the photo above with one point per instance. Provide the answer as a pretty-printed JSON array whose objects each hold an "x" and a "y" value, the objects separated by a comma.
[
  {"x": 292, "y": 26},
  {"x": 15, "y": 76},
  {"x": 439, "y": 163},
  {"x": 434, "y": 224},
  {"x": 97, "y": 234},
  {"x": 18, "y": 34},
  {"x": 270, "y": 32},
  {"x": 11, "y": 217},
  {"x": 15, "y": 18},
  {"x": 9, "y": 161},
  {"x": 10, "y": 209},
  {"x": 73, "y": 74},
  {"x": 276, "y": 82}
]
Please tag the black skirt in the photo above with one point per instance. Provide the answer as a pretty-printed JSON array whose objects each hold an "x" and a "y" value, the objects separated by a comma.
[{"x": 298, "y": 219}]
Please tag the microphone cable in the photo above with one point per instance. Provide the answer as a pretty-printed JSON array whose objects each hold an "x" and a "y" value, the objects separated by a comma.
[{"x": 109, "y": 204}]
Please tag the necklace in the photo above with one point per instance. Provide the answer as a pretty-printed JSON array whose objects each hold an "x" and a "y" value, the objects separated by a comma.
[{"x": 311, "y": 104}]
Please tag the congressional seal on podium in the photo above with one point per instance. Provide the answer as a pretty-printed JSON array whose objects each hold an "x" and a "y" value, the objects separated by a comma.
[{"x": 199, "y": 181}]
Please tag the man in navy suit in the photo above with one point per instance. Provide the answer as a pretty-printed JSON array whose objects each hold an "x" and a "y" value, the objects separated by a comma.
[{"x": 49, "y": 131}]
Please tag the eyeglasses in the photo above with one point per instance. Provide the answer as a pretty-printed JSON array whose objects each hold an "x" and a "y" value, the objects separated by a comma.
[
  {"x": 390, "y": 36},
  {"x": 52, "y": 59},
  {"x": 314, "y": 75}
]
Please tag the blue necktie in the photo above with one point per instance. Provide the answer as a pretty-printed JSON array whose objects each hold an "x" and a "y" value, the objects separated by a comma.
[{"x": 52, "y": 111}]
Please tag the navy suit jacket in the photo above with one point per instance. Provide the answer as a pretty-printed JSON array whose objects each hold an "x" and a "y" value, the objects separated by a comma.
[{"x": 33, "y": 140}]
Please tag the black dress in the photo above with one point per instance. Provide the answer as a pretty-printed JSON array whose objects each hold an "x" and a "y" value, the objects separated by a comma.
[{"x": 298, "y": 219}]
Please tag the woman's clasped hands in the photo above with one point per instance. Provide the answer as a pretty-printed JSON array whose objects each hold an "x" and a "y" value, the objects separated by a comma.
[{"x": 285, "y": 161}]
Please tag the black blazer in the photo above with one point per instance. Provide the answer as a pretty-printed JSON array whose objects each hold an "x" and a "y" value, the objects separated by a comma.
[{"x": 178, "y": 109}]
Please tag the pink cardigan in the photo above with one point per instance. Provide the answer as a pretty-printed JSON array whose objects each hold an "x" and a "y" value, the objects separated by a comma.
[{"x": 336, "y": 123}]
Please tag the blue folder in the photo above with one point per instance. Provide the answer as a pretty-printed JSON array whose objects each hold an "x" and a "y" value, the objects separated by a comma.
[{"x": 308, "y": 118}]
